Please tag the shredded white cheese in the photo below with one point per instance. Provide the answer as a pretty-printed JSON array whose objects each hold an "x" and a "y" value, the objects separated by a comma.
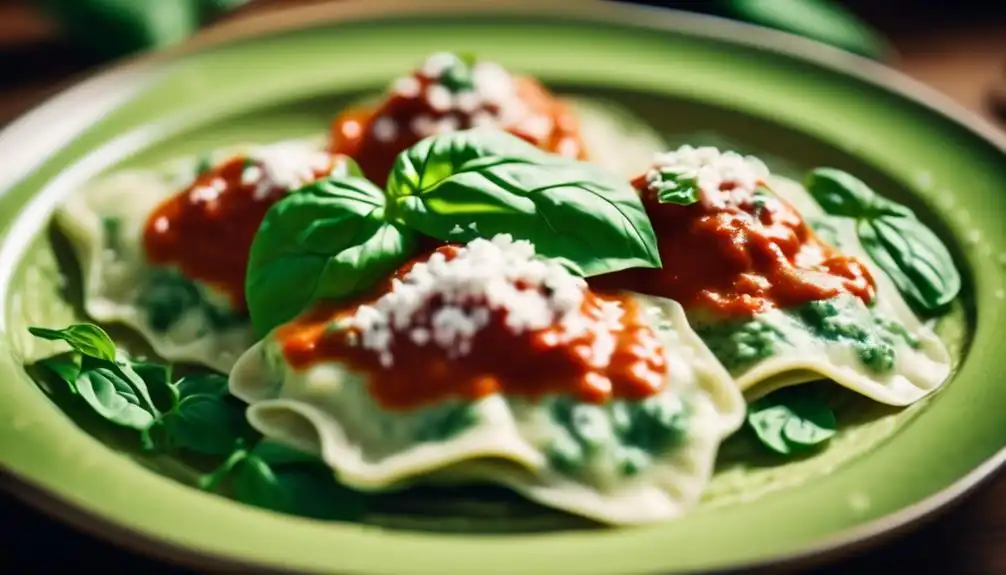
[
  {"x": 385, "y": 129},
  {"x": 710, "y": 168},
  {"x": 492, "y": 102},
  {"x": 446, "y": 302},
  {"x": 288, "y": 165}
]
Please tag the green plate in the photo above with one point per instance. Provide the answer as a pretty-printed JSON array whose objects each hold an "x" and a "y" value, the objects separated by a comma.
[{"x": 694, "y": 78}]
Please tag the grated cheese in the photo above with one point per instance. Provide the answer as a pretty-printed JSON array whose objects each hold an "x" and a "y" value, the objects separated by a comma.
[
  {"x": 287, "y": 165},
  {"x": 493, "y": 100},
  {"x": 485, "y": 276},
  {"x": 385, "y": 129},
  {"x": 710, "y": 168}
]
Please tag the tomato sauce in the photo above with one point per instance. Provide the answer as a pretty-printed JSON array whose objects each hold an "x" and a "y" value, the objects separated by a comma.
[
  {"x": 375, "y": 135},
  {"x": 617, "y": 355},
  {"x": 736, "y": 252},
  {"x": 206, "y": 230}
]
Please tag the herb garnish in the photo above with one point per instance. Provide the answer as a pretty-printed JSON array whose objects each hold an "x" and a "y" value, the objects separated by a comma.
[
  {"x": 195, "y": 414},
  {"x": 909, "y": 252},
  {"x": 337, "y": 237},
  {"x": 330, "y": 240},
  {"x": 791, "y": 420}
]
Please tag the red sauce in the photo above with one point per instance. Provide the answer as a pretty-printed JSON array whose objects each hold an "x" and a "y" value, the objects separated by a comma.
[
  {"x": 529, "y": 364},
  {"x": 735, "y": 254},
  {"x": 353, "y": 131},
  {"x": 206, "y": 230}
]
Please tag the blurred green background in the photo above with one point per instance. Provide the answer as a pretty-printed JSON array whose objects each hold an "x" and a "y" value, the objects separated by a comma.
[{"x": 112, "y": 28}]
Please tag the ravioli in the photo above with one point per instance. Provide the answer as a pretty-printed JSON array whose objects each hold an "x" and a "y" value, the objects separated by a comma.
[
  {"x": 449, "y": 92},
  {"x": 776, "y": 303},
  {"x": 597, "y": 449},
  {"x": 183, "y": 318}
]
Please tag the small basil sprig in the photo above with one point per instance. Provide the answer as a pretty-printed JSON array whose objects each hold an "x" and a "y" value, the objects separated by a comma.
[
  {"x": 86, "y": 338},
  {"x": 275, "y": 477},
  {"x": 101, "y": 375},
  {"x": 461, "y": 185},
  {"x": 327, "y": 240},
  {"x": 674, "y": 186},
  {"x": 909, "y": 252},
  {"x": 205, "y": 419},
  {"x": 194, "y": 414},
  {"x": 791, "y": 420}
]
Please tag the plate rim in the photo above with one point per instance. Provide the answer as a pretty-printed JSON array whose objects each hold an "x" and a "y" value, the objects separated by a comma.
[{"x": 116, "y": 81}]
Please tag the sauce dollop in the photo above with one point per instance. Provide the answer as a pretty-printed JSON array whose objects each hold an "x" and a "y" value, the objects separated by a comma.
[
  {"x": 448, "y": 94},
  {"x": 601, "y": 349},
  {"x": 206, "y": 230},
  {"x": 738, "y": 251}
]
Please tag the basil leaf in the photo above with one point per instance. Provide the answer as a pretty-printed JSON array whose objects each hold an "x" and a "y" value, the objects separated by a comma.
[
  {"x": 114, "y": 396},
  {"x": 208, "y": 383},
  {"x": 86, "y": 338},
  {"x": 478, "y": 183},
  {"x": 914, "y": 258},
  {"x": 307, "y": 489},
  {"x": 673, "y": 187},
  {"x": 204, "y": 423},
  {"x": 206, "y": 420},
  {"x": 65, "y": 366},
  {"x": 840, "y": 193},
  {"x": 827, "y": 22},
  {"x": 163, "y": 394},
  {"x": 902, "y": 246},
  {"x": 791, "y": 419},
  {"x": 327, "y": 240}
]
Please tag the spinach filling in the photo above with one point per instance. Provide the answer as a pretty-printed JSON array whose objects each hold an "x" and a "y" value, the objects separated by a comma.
[
  {"x": 169, "y": 295},
  {"x": 874, "y": 337},
  {"x": 628, "y": 434},
  {"x": 443, "y": 424}
]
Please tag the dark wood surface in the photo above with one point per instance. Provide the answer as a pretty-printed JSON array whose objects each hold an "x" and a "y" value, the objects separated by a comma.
[{"x": 961, "y": 57}]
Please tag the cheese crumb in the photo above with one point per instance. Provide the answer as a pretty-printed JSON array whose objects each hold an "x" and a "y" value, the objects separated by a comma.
[
  {"x": 385, "y": 129},
  {"x": 437, "y": 64},
  {"x": 406, "y": 87},
  {"x": 484, "y": 277},
  {"x": 290, "y": 165},
  {"x": 709, "y": 168}
]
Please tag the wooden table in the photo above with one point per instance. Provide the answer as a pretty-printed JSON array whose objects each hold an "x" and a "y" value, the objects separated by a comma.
[{"x": 963, "y": 61}]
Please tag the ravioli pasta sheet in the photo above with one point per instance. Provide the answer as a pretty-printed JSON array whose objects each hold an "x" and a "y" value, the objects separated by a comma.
[
  {"x": 621, "y": 462},
  {"x": 614, "y": 137},
  {"x": 182, "y": 319},
  {"x": 882, "y": 351}
]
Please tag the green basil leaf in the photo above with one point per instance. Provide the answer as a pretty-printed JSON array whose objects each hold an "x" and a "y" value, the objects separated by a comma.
[
  {"x": 308, "y": 490},
  {"x": 206, "y": 420},
  {"x": 65, "y": 366},
  {"x": 478, "y": 183},
  {"x": 914, "y": 258},
  {"x": 768, "y": 423},
  {"x": 673, "y": 187},
  {"x": 902, "y": 246},
  {"x": 114, "y": 396},
  {"x": 86, "y": 338},
  {"x": 205, "y": 383},
  {"x": 163, "y": 394},
  {"x": 204, "y": 423},
  {"x": 840, "y": 193},
  {"x": 327, "y": 240},
  {"x": 827, "y": 22},
  {"x": 791, "y": 419}
]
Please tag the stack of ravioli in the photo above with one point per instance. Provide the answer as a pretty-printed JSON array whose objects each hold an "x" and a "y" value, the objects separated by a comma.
[{"x": 473, "y": 280}]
